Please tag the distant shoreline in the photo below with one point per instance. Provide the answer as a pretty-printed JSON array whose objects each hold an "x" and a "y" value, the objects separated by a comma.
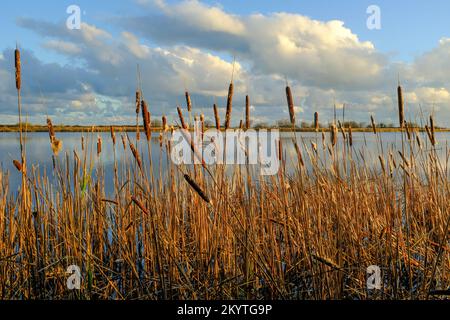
[{"x": 130, "y": 128}]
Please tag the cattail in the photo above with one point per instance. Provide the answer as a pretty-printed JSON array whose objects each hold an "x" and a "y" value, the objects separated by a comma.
[
  {"x": 405, "y": 161},
  {"x": 18, "y": 165},
  {"x": 350, "y": 136},
  {"x": 135, "y": 154},
  {"x": 341, "y": 128},
  {"x": 408, "y": 131},
  {"x": 138, "y": 102},
  {"x": 241, "y": 124},
  {"x": 56, "y": 146},
  {"x": 333, "y": 135},
  {"x": 18, "y": 70},
  {"x": 188, "y": 101},
  {"x": 183, "y": 123},
  {"x": 290, "y": 102},
  {"x": 99, "y": 146},
  {"x": 316, "y": 121},
  {"x": 146, "y": 119},
  {"x": 216, "y": 117},
  {"x": 374, "y": 127},
  {"x": 165, "y": 127},
  {"x": 197, "y": 189},
  {"x": 382, "y": 163},
  {"x": 202, "y": 120},
  {"x": 51, "y": 131},
  {"x": 401, "y": 114},
  {"x": 161, "y": 140},
  {"x": 140, "y": 205},
  {"x": 229, "y": 106},
  {"x": 430, "y": 135},
  {"x": 82, "y": 143},
  {"x": 113, "y": 135},
  {"x": 432, "y": 131},
  {"x": 280, "y": 150},
  {"x": 299, "y": 153},
  {"x": 247, "y": 112},
  {"x": 124, "y": 142}
]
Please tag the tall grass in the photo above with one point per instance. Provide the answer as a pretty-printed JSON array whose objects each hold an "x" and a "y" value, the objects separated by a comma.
[{"x": 197, "y": 233}]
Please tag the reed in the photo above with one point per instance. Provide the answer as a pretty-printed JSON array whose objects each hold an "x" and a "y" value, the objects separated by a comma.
[
  {"x": 229, "y": 106},
  {"x": 247, "y": 112},
  {"x": 216, "y": 117},
  {"x": 401, "y": 111},
  {"x": 290, "y": 102}
]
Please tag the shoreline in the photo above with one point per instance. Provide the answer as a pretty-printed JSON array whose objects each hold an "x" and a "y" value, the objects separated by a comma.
[{"x": 130, "y": 128}]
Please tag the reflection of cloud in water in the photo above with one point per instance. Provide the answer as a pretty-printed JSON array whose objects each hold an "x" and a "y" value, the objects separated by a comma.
[{"x": 39, "y": 153}]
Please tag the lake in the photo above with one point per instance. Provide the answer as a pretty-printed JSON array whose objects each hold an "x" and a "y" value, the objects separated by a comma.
[{"x": 39, "y": 153}]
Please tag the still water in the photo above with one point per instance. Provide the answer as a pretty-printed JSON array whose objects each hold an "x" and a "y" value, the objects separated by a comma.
[{"x": 366, "y": 146}]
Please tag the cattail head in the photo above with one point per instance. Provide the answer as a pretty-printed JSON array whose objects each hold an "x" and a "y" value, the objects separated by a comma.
[
  {"x": 401, "y": 114},
  {"x": 290, "y": 102},
  {"x": 229, "y": 106},
  {"x": 180, "y": 115},
  {"x": 247, "y": 112},
  {"x": 56, "y": 146},
  {"x": 197, "y": 189},
  {"x": 333, "y": 135},
  {"x": 350, "y": 136},
  {"x": 135, "y": 154},
  {"x": 316, "y": 121},
  {"x": 51, "y": 131},
  {"x": 99, "y": 146},
  {"x": 18, "y": 69},
  {"x": 113, "y": 135},
  {"x": 164, "y": 124},
  {"x": 18, "y": 165},
  {"x": 146, "y": 119},
  {"x": 374, "y": 127},
  {"x": 216, "y": 117},
  {"x": 138, "y": 102},
  {"x": 188, "y": 101},
  {"x": 124, "y": 142}
]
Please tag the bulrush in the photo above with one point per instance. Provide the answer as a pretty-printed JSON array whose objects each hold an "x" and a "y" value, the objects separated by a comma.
[
  {"x": 229, "y": 106},
  {"x": 165, "y": 127},
  {"x": 197, "y": 189},
  {"x": 374, "y": 127},
  {"x": 216, "y": 117},
  {"x": 316, "y": 121},
  {"x": 55, "y": 144},
  {"x": 180, "y": 115},
  {"x": 188, "y": 101},
  {"x": 432, "y": 129},
  {"x": 138, "y": 110},
  {"x": 113, "y": 135},
  {"x": 146, "y": 119},
  {"x": 18, "y": 165},
  {"x": 135, "y": 154},
  {"x": 99, "y": 146},
  {"x": 333, "y": 135},
  {"x": 350, "y": 136},
  {"x": 124, "y": 142},
  {"x": 401, "y": 112},
  {"x": 18, "y": 69},
  {"x": 290, "y": 102},
  {"x": 247, "y": 112}
]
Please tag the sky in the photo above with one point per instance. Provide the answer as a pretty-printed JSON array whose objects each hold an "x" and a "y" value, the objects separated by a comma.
[{"x": 324, "y": 49}]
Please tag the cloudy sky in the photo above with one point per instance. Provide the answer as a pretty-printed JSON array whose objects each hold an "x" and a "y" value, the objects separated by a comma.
[{"x": 324, "y": 49}]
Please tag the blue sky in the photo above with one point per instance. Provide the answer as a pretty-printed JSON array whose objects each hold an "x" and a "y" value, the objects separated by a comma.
[{"x": 191, "y": 43}]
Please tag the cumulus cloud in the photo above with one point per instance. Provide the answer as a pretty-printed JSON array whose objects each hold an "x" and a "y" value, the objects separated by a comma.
[{"x": 190, "y": 45}]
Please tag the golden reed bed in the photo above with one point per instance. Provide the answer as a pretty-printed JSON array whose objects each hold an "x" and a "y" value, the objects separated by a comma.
[{"x": 198, "y": 232}]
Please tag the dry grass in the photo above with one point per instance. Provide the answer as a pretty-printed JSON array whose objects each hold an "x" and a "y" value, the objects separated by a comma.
[{"x": 194, "y": 232}]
